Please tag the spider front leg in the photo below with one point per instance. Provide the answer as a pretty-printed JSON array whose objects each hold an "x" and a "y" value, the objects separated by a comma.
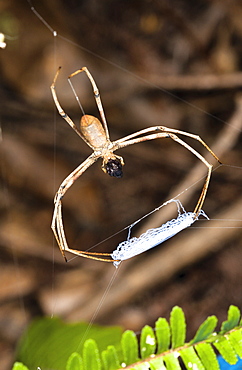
[
  {"x": 61, "y": 111},
  {"x": 96, "y": 96},
  {"x": 201, "y": 199},
  {"x": 170, "y": 133},
  {"x": 57, "y": 221}
]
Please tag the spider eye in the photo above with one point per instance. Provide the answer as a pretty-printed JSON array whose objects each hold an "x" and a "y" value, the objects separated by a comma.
[{"x": 114, "y": 168}]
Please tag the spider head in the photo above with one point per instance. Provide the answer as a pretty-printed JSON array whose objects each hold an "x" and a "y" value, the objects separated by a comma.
[{"x": 113, "y": 167}]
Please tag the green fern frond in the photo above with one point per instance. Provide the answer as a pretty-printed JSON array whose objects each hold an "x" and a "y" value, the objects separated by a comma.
[
  {"x": 147, "y": 342},
  {"x": 110, "y": 358},
  {"x": 91, "y": 355},
  {"x": 233, "y": 319},
  {"x": 130, "y": 347},
  {"x": 164, "y": 348},
  {"x": 163, "y": 335},
  {"x": 207, "y": 355},
  {"x": 74, "y": 362},
  {"x": 19, "y": 366},
  {"x": 178, "y": 327},
  {"x": 205, "y": 329}
]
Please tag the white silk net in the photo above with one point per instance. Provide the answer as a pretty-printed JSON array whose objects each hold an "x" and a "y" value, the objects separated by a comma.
[{"x": 153, "y": 237}]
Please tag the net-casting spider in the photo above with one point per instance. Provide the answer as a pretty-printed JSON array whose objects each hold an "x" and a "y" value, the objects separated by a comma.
[{"x": 95, "y": 134}]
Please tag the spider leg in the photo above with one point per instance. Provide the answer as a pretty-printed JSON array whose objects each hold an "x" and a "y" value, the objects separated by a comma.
[
  {"x": 60, "y": 109},
  {"x": 201, "y": 199},
  {"x": 164, "y": 129},
  {"x": 195, "y": 137},
  {"x": 96, "y": 95},
  {"x": 57, "y": 221},
  {"x": 169, "y": 134},
  {"x": 93, "y": 255},
  {"x": 59, "y": 233}
]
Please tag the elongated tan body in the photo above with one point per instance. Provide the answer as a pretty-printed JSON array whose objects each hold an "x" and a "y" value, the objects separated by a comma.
[{"x": 93, "y": 131}]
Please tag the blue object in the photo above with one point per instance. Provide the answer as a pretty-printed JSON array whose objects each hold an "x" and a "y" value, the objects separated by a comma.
[{"x": 226, "y": 366}]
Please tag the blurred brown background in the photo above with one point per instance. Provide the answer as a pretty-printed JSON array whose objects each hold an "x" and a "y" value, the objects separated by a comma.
[{"x": 166, "y": 63}]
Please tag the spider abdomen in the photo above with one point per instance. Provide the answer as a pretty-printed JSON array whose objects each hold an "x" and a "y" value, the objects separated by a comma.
[{"x": 93, "y": 131}]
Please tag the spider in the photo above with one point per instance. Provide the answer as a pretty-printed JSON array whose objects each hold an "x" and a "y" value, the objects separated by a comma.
[{"x": 96, "y": 135}]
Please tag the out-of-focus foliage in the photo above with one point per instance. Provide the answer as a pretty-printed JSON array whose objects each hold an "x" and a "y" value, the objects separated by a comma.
[{"x": 198, "y": 353}]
